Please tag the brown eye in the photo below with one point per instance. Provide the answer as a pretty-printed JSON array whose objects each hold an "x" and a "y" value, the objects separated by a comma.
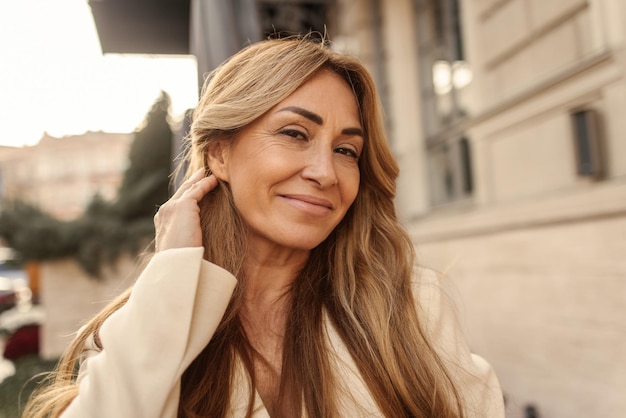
[
  {"x": 294, "y": 133},
  {"x": 347, "y": 151}
]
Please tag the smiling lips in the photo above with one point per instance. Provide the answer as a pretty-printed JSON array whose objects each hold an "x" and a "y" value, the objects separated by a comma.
[{"x": 310, "y": 204}]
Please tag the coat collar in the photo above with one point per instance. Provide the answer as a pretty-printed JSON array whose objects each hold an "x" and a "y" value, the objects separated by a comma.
[{"x": 353, "y": 397}]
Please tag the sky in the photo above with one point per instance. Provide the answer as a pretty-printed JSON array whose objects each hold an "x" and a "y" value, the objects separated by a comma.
[{"x": 55, "y": 79}]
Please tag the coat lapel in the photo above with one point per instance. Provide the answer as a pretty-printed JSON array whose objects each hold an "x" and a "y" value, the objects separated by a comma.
[
  {"x": 241, "y": 393},
  {"x": 353, "y": 397}
]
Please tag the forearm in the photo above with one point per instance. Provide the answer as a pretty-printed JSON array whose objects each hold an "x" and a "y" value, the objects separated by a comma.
[{"x": 172, "y": 313}]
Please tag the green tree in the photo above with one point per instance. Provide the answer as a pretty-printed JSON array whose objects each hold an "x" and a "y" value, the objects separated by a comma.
[
  {"x": 146, "y": 182},
  {"x": 34, "y": 234},
  {"x": 105, "y": 230}
]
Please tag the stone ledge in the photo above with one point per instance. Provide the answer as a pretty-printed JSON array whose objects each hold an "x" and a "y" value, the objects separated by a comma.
[{"x": 599, "y": 201}]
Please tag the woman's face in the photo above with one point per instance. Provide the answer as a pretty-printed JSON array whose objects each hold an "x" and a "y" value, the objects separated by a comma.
[{"x": 294, "y": 172}]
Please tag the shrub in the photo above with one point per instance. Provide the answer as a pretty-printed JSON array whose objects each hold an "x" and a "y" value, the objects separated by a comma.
[{"x": 15, "y": 390}]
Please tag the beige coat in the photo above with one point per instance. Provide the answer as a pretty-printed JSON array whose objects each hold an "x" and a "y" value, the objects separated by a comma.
[{"x": 173, "y": 311}]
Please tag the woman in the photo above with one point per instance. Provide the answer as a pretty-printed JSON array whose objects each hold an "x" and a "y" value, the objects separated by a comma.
[{"x": 282, "y": 283}]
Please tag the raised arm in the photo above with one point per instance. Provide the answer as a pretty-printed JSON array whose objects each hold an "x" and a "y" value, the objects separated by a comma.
[
  {"x": 170, "y": 316},
  {"x": 147, "y": 344}
]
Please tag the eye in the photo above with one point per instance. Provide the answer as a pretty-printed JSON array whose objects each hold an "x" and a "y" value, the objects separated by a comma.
[
  {"x": 348, "y": 152},
  {"x": 294, "y": 133}
]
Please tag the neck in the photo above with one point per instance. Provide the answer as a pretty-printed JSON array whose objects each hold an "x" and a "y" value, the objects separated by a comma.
[{"x": 270, "y": 272}]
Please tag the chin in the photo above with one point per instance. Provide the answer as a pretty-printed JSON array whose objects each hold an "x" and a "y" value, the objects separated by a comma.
[
  {"x": 295, "y": 237},
  {"x": 307, "y": 245},
  {"x": 305, "y": 241}
]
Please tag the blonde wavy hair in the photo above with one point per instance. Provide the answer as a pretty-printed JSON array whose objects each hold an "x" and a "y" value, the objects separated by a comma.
[{"x": 360, "y": 276}]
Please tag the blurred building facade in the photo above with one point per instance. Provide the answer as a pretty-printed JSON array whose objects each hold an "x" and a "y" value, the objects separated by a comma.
[
  {"x": 61, "y": 175},
  {"x": 506, "y": 119}
]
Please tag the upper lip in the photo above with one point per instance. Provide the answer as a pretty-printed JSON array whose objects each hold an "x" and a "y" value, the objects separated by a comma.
[{"x": 310, "y": 199}]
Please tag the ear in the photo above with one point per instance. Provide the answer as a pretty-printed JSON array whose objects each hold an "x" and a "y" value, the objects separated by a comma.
[{"x": 217, "y": 158}]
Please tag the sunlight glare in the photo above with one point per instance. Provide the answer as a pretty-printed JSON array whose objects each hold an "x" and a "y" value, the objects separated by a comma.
[{"x": 55, "y": 78}]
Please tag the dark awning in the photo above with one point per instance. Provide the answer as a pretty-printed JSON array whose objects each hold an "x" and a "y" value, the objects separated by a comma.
[{"x": 142, "y": 26}]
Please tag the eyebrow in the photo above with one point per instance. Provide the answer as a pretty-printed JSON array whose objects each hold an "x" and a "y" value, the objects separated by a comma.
[
  {"x": 353, "y": 131},
  {"x": 315, "y": 118}
]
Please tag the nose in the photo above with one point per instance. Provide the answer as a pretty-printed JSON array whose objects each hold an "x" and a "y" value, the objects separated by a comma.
[{"x": 320, "y": 167}]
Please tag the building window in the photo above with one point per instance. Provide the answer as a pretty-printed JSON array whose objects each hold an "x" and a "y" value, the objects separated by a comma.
[
  {"x": 449, "y": 170},
  {"x": 280, "y": 18},
  {"x": 444, "y": 74},
  {"x": 590, "y": 161}
]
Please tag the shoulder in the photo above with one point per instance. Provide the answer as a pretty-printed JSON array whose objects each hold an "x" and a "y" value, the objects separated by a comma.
[
  {"x": 472, "y": 375},
  {"x": 428, "y": 293}
]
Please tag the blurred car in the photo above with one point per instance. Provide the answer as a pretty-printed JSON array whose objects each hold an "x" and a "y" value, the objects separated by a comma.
[
  {"x": 14, "y": 288},
  {"x": 20, "y": 320},
  {"x": 8, "y": 294}
]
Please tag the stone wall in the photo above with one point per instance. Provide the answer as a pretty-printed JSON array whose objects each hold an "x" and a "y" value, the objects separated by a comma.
[
  {"x": 70, "y": 298},
  {"x": 546, "y": 306},
  {"x": 535, "y": 257}
]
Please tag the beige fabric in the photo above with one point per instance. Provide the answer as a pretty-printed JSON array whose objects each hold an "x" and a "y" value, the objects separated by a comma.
[
  {"x": 474, "y": 377},
  {"x": 174, "y": 309}
]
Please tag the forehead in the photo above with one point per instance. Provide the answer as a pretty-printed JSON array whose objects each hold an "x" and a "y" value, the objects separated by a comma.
[{"x": 328, "y": 93}]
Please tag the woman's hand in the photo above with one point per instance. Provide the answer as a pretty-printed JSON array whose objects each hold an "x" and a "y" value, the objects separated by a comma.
[{"x": 177, "y": 223}]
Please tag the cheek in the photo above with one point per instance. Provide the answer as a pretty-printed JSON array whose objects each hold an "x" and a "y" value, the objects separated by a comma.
[
  {"x": 251, "y": 185},
  {"x": 243, "y": 187},
  {"x": 351, "y": 188}
]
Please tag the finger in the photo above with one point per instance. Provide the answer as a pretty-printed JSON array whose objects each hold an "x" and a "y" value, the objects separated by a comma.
[
  {"x": 196, "y": 176},
  {"x": 200, "y": 188}
]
